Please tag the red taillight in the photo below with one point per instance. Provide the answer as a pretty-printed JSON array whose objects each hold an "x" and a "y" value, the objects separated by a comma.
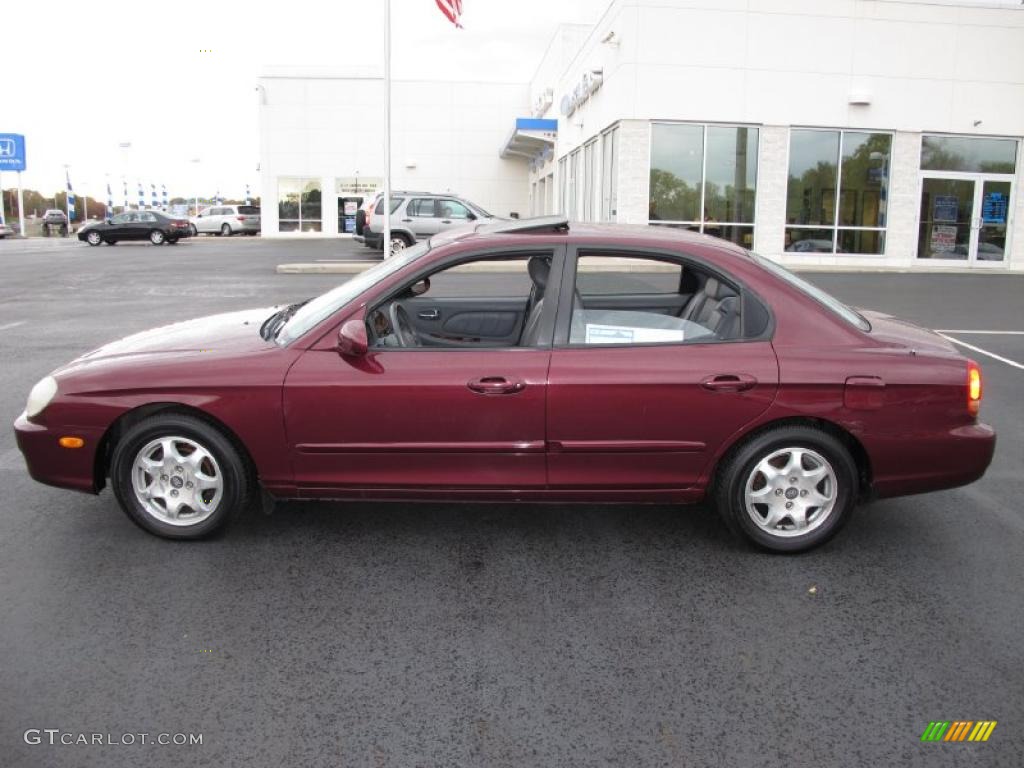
[
  {"x": 240, "y": 218},
  {"x": 973, "y": 388}
]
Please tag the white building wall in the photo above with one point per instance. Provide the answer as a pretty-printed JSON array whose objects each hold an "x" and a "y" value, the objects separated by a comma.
[{"x": 445, "y": 137}]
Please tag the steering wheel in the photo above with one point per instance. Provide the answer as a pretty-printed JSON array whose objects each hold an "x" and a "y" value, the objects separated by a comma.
[{"x": 401, "y": 326}]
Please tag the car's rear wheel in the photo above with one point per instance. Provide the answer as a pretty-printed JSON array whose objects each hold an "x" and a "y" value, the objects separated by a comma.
[
  {"x": 94, "y": 238},
  {"x": 157, "y": 237},
  {"x": 788, "y": 489},
  {"x": 178, "y": 477},
  {"x": 225, "y": 230}
]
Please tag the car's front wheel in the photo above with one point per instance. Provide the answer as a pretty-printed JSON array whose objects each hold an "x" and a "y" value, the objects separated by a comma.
[
  {"x": 178, "y": 477},
  {"x": 94, "y": 238},
  {"x": 157, "y": 237},
  {"x": 788, "y": 489}
]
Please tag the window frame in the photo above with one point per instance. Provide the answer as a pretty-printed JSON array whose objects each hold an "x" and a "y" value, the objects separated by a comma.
[
  {"x": 836, "y": 227},
  {"x": 300, "y": 220},
  {"x": 699, "y": 225},
  {"x": 566, "y": 295}
]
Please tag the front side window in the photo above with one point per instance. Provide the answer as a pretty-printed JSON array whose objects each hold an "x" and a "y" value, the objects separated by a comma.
[
  {"x": 298, "y": 205},
  {"x": 837, "y": 194},
  {"x": 121, "y": 218},
  {"x": 453, "y": 209},
  {"x": 630, "y": 299},
  {"x": 704, "y": 178}
]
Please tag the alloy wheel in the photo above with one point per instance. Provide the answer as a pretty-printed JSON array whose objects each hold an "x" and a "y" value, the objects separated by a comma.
[
  {"x": 177, "y": 481},
  {"x": 791, "y": 492}
]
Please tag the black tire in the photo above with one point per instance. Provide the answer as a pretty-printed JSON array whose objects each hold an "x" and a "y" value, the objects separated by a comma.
[
  {"x": 225, "y": 230},
  {"x": 360, "y": 221},
  {"x": 111, "y": 242},
  {"x": 740, "y": 466},
  {"x": 157, "y": 237},
  {"x": 192, "y": 230},
  {"x": 94, "y": 238},
  {"x": 237, "y": 477}
]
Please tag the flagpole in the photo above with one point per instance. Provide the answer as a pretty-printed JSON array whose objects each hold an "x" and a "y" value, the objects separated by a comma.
[{"x": 387, "y": 129}]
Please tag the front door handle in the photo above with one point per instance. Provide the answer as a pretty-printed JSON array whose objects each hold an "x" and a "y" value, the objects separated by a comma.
[
  {"x": 729, "y": 382},
  {"x": 428, "y": 314},
  {"x": 407, "y": 220},
  {"x": 496, "y": 385},
  {"x": 446, "y": 221}
]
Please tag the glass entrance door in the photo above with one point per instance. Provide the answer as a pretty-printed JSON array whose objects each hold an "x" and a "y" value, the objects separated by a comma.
[{"x": 964, "y": 218}]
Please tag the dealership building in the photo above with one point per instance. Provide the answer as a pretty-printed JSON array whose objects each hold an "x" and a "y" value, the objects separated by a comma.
[{"x": 867, "y": 133}]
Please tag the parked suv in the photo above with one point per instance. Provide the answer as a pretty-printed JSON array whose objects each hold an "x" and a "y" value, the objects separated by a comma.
[
  {"x": 418, "y": 215},
  {"x": 226, "y": 220}
]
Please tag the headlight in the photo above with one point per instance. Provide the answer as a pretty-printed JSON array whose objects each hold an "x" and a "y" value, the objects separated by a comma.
[{"x": 40, "y": 396}]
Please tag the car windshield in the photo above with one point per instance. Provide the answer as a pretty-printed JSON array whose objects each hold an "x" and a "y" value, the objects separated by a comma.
[
  {"x": 322, "y": 307},
  {"x": 849, "y": 315}
]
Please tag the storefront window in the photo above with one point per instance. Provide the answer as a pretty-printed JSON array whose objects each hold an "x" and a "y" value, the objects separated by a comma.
[
  {"x": 298, "y": 205},
  {"x": 589, "y": 173},
  {"x": 968, "y": 155},
  {"x": 562, "y": 186},
  {"x": 704, "y": 178},
  {"x": 838, "y": 192}
]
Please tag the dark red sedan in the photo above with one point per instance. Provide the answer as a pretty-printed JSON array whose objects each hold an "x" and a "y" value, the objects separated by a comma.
[{"x": 524, "y": 361}]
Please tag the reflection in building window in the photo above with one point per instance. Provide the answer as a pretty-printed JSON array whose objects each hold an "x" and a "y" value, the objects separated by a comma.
[
  {"x": 704, "y": 178},
  {"x": 838, "y": 191},
  {"x": 298, "y": 205}
]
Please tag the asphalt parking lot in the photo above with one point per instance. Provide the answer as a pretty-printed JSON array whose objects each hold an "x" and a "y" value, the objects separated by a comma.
[{"x": 494, "y": 635}]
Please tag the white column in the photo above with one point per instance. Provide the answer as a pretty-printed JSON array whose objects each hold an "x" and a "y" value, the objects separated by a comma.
[
  {"x": 634, "y": 171},
  {"x": 772, "y": 178},
  {"x": 904, "y": 199}
]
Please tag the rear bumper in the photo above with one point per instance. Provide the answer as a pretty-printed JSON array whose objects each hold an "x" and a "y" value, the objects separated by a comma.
[
  {"x": 48, "y": 463},
  {"x": 946, "y": 460}
]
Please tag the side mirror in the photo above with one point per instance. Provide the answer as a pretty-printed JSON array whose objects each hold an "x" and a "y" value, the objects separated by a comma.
[
  {"x": 418, "y": 289},
  {"x": 352, "y": 341},
  {"x": 471, "y": 216}
]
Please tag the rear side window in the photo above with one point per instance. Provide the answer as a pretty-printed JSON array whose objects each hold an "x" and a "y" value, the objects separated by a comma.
[
  {"x": 395, "y": 202},
  {"x": 421, "y": 207},
  {"x": 249, "y": 210}
]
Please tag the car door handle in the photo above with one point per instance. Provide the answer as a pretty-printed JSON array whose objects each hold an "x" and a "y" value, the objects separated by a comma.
[
  {"x": 729, "y": 382},
  {"x": 496, "y": 385},
  {"x": 406, "y": 220},
  {"x": 428, "y": 314},
  {"x": 446, "y": 221}
]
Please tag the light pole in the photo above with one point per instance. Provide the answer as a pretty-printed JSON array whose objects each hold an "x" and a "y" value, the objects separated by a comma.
[
  {"x": 125, "y": 147},
  {"x": 196, "y": 161}
]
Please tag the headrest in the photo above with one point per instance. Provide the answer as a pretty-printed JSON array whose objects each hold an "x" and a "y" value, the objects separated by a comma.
[
  {"x": 715, "y": 289},
  {"x": 539, "y": 267}
]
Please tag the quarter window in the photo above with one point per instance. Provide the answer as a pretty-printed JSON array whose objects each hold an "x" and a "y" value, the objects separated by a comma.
[
  {"x": 704, "y": 178},
  {"x": 421, "y": 208},
  {"x": 838, "y": 191}
]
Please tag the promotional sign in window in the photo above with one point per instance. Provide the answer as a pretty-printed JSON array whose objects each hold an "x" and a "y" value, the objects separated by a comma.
[
  {"x": 946, "y": 208},
  {"x": 993, "y": 208},
  {"x": 943, "y": 239}
]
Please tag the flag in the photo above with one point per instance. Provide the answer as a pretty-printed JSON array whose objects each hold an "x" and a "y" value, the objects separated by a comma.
[
  {"x": 452, "y": 10},
  {"x": 71, "y": 197},
  {"x": 124, "y": 181},
  {"x": 110, "y": 201},
  {"x": 217, "y": 199},
  {"x": 163, "y": 189},
  {"x": 142, "y": 197},
  {"x": 248, "y": 201},
  {"x": 152, "y": 195}
]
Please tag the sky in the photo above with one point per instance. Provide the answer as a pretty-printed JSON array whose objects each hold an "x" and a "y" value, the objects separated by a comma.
[{"x": 178, "y": 81}]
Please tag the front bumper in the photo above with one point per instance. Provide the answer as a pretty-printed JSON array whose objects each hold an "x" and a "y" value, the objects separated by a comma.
[{"x": 49, "y": 463}]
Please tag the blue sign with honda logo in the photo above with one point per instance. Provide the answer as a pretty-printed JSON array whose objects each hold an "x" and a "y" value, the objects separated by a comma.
[{"x": 12, "y": 152}]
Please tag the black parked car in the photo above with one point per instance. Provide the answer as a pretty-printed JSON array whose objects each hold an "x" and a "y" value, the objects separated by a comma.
[{"x": 158, "y": 228}]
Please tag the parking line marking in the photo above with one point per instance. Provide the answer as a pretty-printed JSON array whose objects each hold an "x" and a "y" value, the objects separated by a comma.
[
  {"x": 987, "y": 333},
  {"x": 981, "y": 351},
  {"x": 11, "y": 325}
]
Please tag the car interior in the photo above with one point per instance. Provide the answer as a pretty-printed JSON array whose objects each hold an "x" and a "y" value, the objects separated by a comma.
[{"x": 617, "y": 300}]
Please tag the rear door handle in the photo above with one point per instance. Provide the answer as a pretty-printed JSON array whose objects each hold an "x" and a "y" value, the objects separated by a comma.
[
  {"x": 428, "y": 314},
  {"x": 406, "y": 220},
  {"x": 729, "y": 382},
  {"x": 496, "y": 385}
]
